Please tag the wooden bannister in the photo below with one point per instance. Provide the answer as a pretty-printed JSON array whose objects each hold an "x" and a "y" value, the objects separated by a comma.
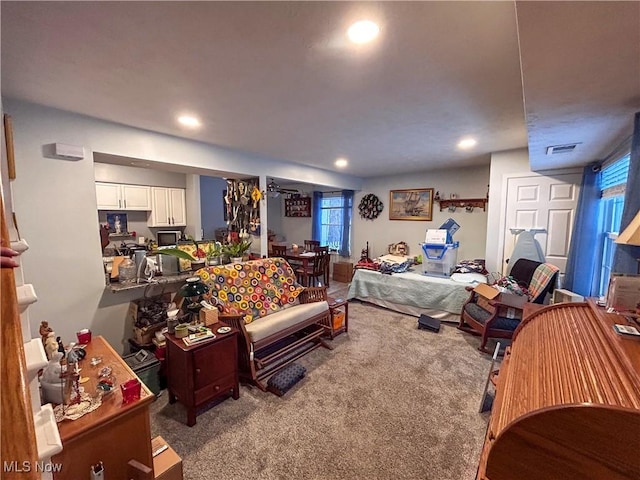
[{"x": 18, "y": 432}]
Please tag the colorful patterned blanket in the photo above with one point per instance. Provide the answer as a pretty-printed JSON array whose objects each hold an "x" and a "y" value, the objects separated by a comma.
[
  {"x": 254, "y": 289},
  {"x": 542, "y": 275}
]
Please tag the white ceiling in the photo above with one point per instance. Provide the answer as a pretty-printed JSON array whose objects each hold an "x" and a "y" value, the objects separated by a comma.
[{"x": 279, "y": 78}]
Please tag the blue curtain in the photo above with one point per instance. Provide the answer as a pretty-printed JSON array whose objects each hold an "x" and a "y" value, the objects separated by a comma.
[
  {"x": 580, "y": 273},
  {"x": 345, "y": 247},
  {"x": 316, "y": 216},
  {"x": 625, "y": 256}
]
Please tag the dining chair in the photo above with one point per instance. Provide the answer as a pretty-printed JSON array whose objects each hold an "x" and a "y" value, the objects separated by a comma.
[
  {"x": 316, "y": 269},
  {"x": 324, "y": 249},
  {"x": 309, "y": 245},
  {"x": 278, "y": 250}
]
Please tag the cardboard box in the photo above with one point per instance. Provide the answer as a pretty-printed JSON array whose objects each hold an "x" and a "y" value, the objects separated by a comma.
[
  {"x": 342, "y": 272},
  {"x": 486, "y": 291},
  {"x": 145, "y": 335},
  {"x": 167, "y": 465}
]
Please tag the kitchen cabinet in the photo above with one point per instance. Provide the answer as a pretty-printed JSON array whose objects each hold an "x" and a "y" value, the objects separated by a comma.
[
  {"x": 116, "y": 196},
  {"x": 168, "y": 207}
]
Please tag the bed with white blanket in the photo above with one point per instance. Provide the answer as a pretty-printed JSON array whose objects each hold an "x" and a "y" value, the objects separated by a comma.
[{"x": 411, "y": 292}]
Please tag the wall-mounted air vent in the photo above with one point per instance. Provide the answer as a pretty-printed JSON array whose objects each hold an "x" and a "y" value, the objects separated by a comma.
[{"x": 570, "y": 147}]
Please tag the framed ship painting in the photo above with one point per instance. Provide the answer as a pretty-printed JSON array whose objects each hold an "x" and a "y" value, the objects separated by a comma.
[{"x": 411, "y": 204}]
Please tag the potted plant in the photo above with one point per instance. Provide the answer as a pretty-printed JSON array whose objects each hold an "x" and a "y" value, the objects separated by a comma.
[
  {"x": 236, "y": 250},
  {"x": 214, "y": 252}
]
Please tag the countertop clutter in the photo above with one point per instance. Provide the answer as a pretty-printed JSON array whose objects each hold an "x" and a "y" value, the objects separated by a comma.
[{"x": 162, "y": 280}]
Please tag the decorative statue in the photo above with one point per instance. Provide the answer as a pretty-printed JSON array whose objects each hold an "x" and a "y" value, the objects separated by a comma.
[
  {"x": 45, "y": 330},
  {"x": 51, "y": 345},
  {"x": 60, "y": 346}
]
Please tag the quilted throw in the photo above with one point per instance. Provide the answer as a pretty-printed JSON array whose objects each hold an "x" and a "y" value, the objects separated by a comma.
[
  {"x": 541, "y": 278},
  {"x": 253, "y": 289}
]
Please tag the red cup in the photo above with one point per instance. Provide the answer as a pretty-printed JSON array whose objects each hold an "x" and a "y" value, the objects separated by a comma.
[
  {"x": 84, "y": 336},
  {"x": 130, "y": 390}
]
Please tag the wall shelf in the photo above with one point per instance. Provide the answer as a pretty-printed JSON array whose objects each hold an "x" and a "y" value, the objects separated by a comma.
[{"x": 464, "y": 203}]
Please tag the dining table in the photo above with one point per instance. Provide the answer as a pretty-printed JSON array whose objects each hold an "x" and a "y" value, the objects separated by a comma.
[{"x": 302, "y": 257}]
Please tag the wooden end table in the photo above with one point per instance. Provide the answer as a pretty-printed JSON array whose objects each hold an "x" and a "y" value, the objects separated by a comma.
[
  {"x": 334, "y": 306},
  {"x": 199, "y": 373}
]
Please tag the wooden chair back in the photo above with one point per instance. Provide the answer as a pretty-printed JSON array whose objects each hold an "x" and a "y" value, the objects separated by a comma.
[
  {"x": 310, "y": 245},
  {"x": 278, "y": 250}
]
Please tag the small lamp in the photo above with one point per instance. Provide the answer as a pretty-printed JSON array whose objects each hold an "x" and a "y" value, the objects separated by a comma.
[
  {"x": 193, "y": 291},
  {"x": 631, "y": 235}
]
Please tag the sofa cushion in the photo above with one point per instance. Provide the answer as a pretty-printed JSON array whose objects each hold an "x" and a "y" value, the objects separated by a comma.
[
  {"x": 288, "y": 317},
  {"x": 253, "y": 289}
]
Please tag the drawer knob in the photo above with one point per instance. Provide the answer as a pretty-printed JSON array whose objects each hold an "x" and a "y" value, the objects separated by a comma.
[
  {"x": 217, "y": 387},
  {"x": 197, "y": 370}
]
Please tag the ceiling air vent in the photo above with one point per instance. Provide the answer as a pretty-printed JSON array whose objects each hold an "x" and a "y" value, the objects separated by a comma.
[{"x": 570, "y": 147}]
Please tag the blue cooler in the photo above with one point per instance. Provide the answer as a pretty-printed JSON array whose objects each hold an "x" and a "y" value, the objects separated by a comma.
[{"x": 439, "y": 259}]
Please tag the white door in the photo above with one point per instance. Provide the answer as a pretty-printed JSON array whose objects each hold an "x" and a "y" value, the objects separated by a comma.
[
  {"x": 543, "y": 202},
  {"x": 136, "y": 197}
]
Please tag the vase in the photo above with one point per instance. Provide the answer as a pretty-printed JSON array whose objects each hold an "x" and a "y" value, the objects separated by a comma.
[
  {"x": 213, "y": 261},
  {"x": 236, "y": 259},
  {"x": 197, "y": 265}
]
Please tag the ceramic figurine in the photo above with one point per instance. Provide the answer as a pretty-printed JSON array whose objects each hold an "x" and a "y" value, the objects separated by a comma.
[
  {"x": 45, "y": 330},
  {"x": 51, "y": 345}
]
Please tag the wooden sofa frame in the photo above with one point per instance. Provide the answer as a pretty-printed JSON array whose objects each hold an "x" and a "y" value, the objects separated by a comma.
[{"x": 265, "y": 357}]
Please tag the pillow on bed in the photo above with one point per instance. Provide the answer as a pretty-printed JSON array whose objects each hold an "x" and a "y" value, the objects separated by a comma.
[{"x": 469, "y": 277}]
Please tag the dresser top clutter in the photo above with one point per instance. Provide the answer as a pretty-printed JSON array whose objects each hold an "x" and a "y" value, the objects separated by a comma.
[{"x": 567, "y": 399}]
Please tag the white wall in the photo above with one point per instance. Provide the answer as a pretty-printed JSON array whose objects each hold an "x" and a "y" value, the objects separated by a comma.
[
  {"x": 55, "y": 204},
  {"x": 502, "y": 163},
  {"x": 106, "y": 172},
  {"x": 466, "y": 182}
]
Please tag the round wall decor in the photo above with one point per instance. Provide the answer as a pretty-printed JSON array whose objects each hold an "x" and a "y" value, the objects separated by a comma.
[{"x": 370, "y": 206}]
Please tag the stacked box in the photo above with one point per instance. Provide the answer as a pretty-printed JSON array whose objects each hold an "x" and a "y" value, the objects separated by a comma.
[
  {"x": 342, "y": 272},
  {"x": 439, "y": 260}
]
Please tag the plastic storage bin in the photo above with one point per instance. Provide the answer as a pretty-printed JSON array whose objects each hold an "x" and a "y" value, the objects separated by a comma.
[
  {"x": 147, "y": 367},
  {"x": 439, "y": 260}
]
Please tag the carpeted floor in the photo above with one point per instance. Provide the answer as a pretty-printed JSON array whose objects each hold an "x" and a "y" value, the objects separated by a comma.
[{"x": 389, "y": 402}]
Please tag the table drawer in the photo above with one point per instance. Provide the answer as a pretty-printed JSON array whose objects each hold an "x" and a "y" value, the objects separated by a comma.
[{"x": 214, "y": 389}]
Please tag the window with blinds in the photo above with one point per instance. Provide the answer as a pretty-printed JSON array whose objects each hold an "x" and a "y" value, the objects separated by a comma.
[{"x": 613, "y": 181}]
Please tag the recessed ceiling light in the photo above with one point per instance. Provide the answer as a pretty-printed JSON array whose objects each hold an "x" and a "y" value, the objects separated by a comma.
[
  {"x": 189, "y": 121},
  {"x": 341, "y": 162},
  {"x": 363, "y": 31},
  {"x": 467, "y": 143}
]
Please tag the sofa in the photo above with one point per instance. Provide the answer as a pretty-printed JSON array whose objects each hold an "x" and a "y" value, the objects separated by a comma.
[{"x": 278, "y": 319}]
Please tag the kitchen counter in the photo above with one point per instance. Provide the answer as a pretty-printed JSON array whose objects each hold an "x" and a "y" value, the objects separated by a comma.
[{"x": 161, "y": 280}]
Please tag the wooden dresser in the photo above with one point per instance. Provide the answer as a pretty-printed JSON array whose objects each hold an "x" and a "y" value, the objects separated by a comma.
[
  {"x": 567, "y": 400},
  {"x": 113, "y": 434}
]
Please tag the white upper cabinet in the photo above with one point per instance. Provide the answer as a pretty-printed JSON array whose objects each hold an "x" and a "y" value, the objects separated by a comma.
[
  {"x": 115, "y": 196},
  {"x": 168, "y": 207}
]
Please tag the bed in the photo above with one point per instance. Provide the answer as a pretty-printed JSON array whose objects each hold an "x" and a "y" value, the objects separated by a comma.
[{"x": 411, "y": 292}]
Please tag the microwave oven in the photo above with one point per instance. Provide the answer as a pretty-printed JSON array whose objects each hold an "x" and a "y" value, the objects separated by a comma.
[{"x": 168, "y": 238}]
